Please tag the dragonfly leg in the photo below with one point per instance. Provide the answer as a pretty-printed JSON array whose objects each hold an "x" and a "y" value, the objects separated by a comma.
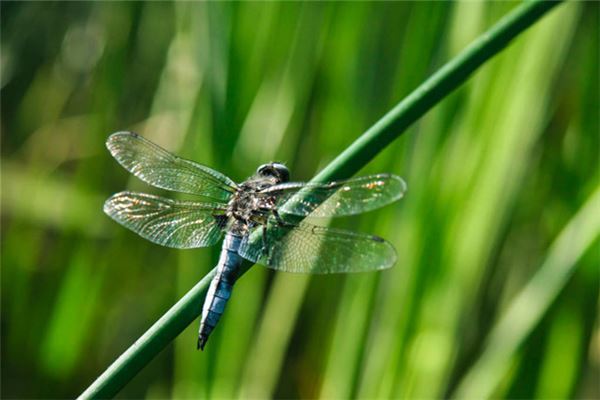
[
  {"x": 221, "y": 220},
  {"x": 280, "y": 220},
  {"x": 265, "y": 248}
]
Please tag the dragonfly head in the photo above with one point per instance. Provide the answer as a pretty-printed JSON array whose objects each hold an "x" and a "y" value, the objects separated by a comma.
[{"x": 275, "y": 170}]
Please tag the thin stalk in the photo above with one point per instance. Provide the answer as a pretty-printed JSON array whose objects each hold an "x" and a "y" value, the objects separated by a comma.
[
  {"x": 171, "y": 324},
  {"x": 453, "y": 74},
  {"x": 356, "y": 156}
]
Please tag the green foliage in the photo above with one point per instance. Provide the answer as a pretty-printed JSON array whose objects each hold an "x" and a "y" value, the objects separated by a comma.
[{"x": 496, "y": 290}]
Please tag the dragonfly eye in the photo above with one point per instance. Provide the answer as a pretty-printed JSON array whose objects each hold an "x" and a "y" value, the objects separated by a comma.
[{"x": 276, "y": 170}]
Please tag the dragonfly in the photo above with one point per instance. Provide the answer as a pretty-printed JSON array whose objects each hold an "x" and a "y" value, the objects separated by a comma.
[{"x": 266, "y": 219}]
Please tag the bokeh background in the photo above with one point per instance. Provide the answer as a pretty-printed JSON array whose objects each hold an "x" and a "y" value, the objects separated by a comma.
[{"x": 496, "y": 289}]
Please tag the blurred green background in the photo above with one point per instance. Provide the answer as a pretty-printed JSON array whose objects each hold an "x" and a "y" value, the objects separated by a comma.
[{"x": 495, "y": 293}]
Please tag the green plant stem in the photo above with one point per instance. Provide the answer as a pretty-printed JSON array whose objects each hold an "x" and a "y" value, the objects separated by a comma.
[
  {"x": 356, "y": 156},
  {"x": 150, "y": 343},
  {"x": 433, "y": 90}
]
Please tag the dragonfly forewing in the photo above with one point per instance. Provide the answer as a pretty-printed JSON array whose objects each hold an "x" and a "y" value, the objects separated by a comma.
[
  {"x": 158, "y": 167},
  {"x": 334, "y": 199}
]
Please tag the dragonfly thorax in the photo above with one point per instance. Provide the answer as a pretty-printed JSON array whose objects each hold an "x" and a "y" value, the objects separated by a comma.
[
  {"x": 245, "y": 209},
  {"x": 248, "y": 208}
]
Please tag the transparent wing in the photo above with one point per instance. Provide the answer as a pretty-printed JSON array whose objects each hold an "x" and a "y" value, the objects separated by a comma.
[
  {"x": 334, "y": 199},
  {"x": 171, "y": 223},
  {"x": 307, "y": 248},
  {"x": 158, "y": 167}
]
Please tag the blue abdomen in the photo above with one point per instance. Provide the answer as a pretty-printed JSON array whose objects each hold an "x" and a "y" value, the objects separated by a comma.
[{"x": 220, "y": 288}]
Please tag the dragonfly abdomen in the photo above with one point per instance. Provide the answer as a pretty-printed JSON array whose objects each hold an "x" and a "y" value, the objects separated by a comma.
[{"x": 220, "y": 288}]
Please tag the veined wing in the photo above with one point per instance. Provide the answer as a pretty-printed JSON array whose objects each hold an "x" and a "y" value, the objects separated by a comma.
[
  {"x": 171, "y": 223},
  {"x": 156, "y": 166},
  {"x": 307, "y": 248},
  {"x": 348, "y": 197}
]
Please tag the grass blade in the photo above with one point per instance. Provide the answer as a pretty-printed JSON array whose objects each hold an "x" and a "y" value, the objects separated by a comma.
[
  {"x": 530, "y": 305},
  {"x": 433, "y": 90}
]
